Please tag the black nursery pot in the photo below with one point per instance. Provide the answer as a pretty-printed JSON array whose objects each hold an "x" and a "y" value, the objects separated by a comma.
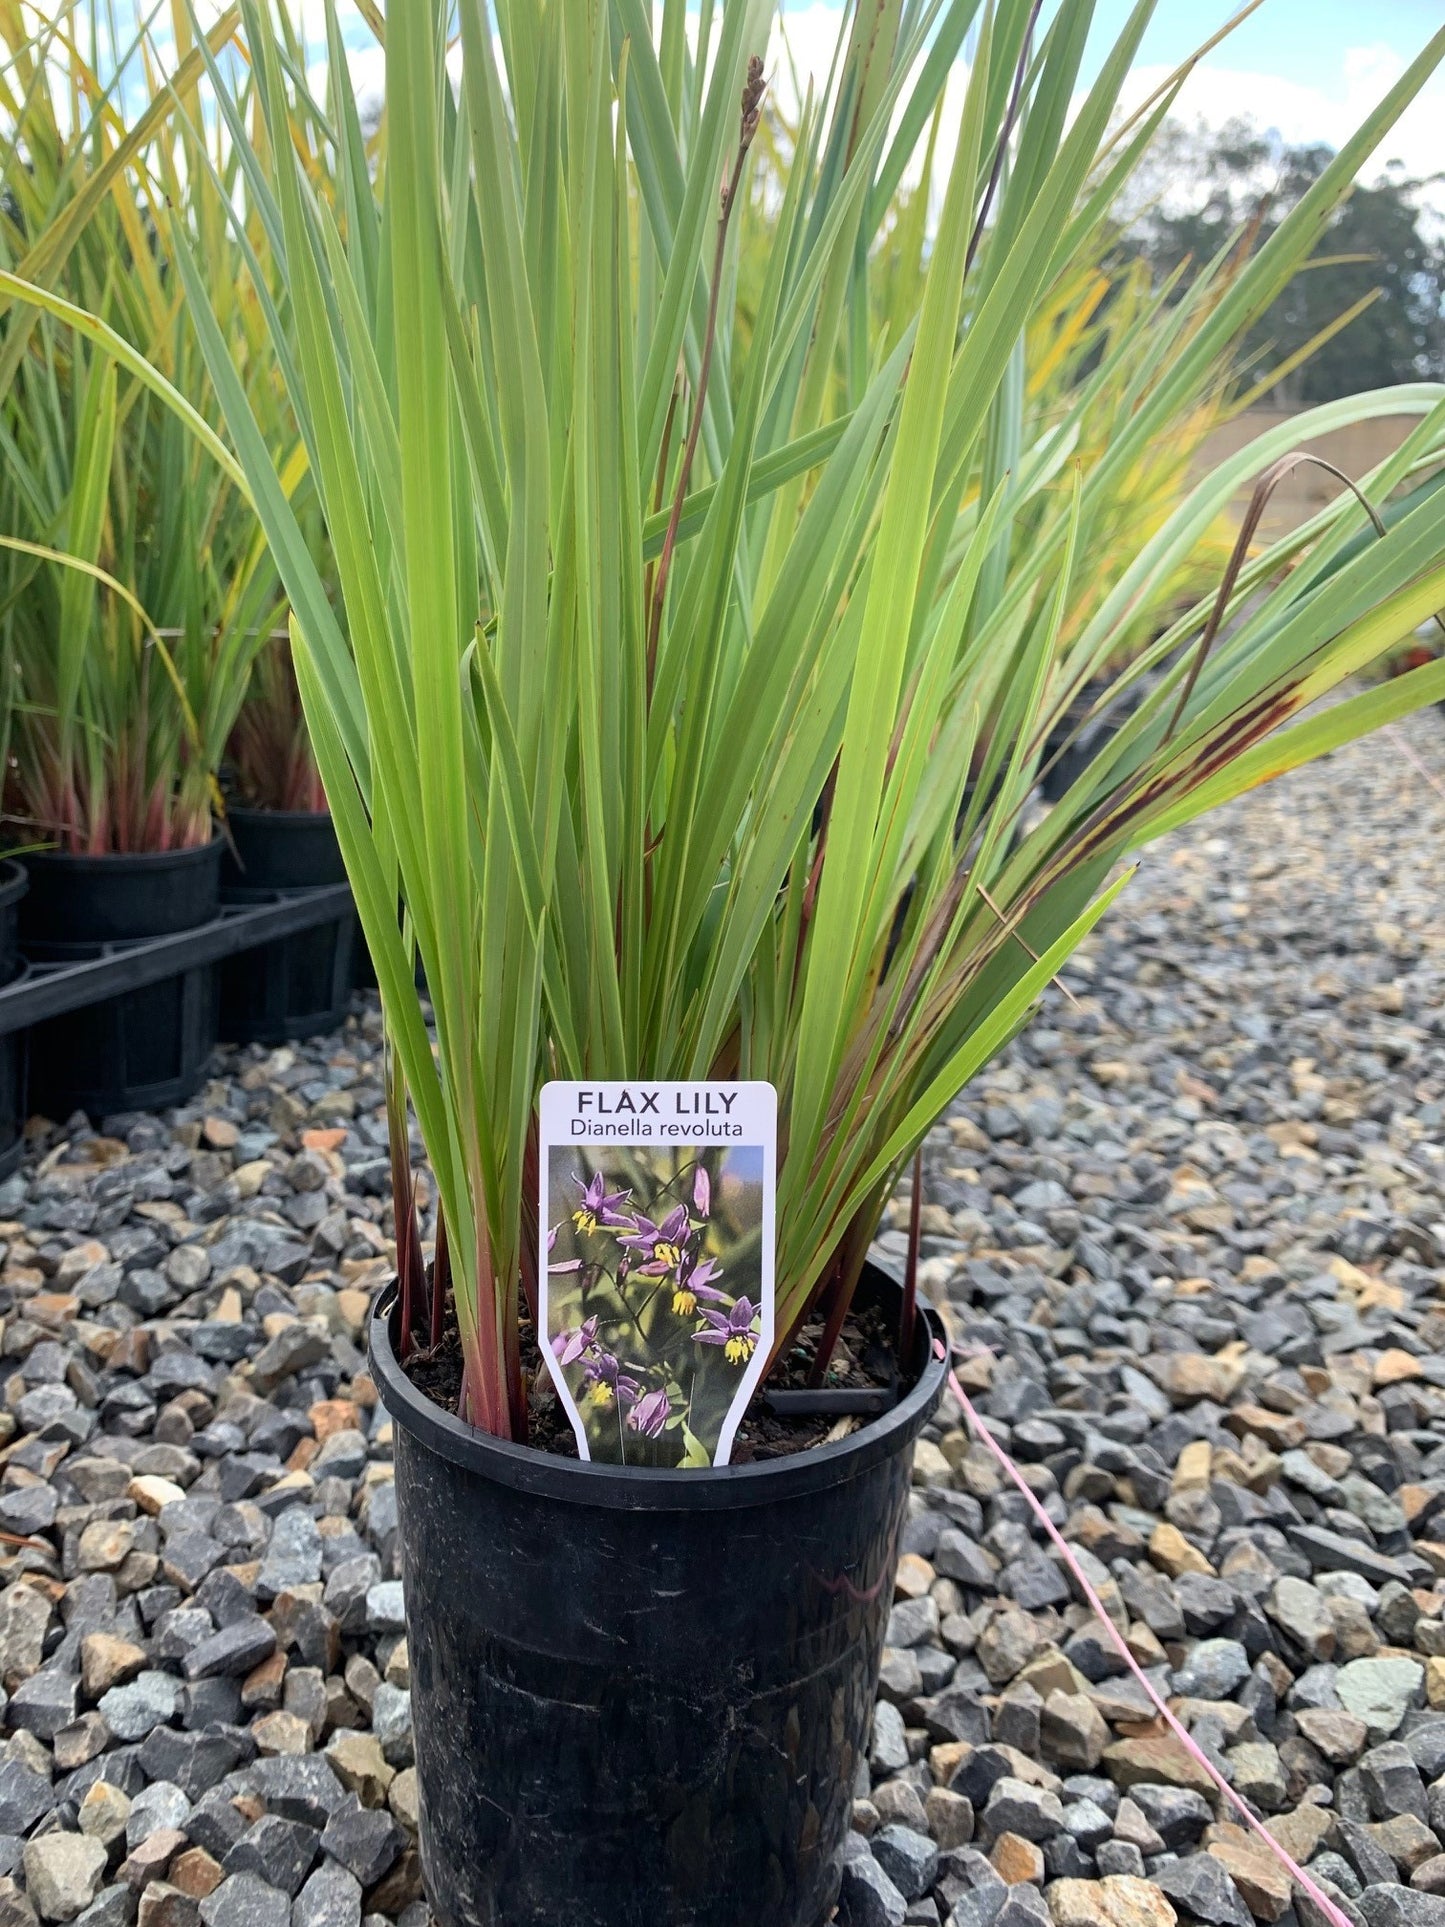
[
  {"x": 14, "y": 1053},
  {"x": 1061, "y": 775},
  {"x": 146, "y": 1048},
  {"x": 281, "y": 850},
  {"x": 119, "y": 899},
  {"x": 300, "y": 984},
  {"x": 640, "y": 1697}
]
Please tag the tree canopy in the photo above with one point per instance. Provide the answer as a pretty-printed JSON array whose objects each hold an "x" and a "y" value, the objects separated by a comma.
[{"x": 1208, "y": 187}]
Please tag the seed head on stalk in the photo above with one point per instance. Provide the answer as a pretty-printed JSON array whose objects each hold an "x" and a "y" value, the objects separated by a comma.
[{"x": 752, "y": 101}]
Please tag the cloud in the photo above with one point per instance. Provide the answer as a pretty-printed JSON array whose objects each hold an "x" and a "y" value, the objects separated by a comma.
[{"x": 1217, "y": 92}]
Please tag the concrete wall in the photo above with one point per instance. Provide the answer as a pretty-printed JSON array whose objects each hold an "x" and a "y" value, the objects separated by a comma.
[{"x": 1356, "y": 450}]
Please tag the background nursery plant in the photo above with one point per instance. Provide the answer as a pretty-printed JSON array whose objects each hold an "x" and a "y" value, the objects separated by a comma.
[
  {"x": 269, "y": 752},
  {"x": 135, "y": 580},
  {"x": 694, "y": 679}
]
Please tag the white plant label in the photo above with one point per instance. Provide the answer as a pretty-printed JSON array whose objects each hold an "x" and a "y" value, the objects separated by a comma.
[{"x": 655, "y": 1289}]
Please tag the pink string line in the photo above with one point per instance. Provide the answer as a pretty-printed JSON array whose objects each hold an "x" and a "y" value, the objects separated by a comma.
[{"x": 1322, "y": 1900}]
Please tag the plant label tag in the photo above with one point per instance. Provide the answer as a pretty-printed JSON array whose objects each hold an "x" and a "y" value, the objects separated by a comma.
[{"x": 655, "y": 1293}]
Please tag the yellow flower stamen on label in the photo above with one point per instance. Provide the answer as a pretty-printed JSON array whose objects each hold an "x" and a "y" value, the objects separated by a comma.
[
  {"x": 667, "y": 1254},
  {"x": 584, "y": 1220},
  {"x": 684, "y": 1304},
  {"x": 601, "y": 1393},
  {"x": 736, "y": 1350}
]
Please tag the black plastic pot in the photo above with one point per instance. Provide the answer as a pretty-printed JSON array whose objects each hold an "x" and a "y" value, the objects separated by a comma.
[
  {"x": 13, "y": 1053},
  {"x": 640, "y": 1697},
  {"x": 364, "y": 970},
  {"x": 1095, "y": 735},
  {"x": 148, "y": 1048},
  {"x": 300, "y": 984},
  {"x": 14, "y": 1090},
  {"x": 116, "y": 899}
]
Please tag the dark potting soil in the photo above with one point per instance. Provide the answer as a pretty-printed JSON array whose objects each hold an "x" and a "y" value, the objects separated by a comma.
[{"x": 864, "y": 1359}]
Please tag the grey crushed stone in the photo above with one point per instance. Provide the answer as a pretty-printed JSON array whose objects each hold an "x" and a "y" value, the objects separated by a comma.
[{"x": 1190, "y": 1230}]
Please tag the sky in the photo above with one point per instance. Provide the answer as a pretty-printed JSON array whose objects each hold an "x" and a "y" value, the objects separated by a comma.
[
  {"x": 1309, "y": 69},
  {"x": 1306, "y": 70}
]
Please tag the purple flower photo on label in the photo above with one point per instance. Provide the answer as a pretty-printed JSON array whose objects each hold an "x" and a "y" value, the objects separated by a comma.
[{"x": 657, "y": 1297}]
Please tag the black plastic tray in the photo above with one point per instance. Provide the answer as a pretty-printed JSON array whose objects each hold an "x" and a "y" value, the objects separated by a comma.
[{"x": 51, "y": 989}]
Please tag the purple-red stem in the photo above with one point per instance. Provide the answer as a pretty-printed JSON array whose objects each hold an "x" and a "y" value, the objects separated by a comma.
[
  {"x": 531, "y": 1232},
  {"x": 441, "y": 1277},
  {"x": 909, "y": 1316}
]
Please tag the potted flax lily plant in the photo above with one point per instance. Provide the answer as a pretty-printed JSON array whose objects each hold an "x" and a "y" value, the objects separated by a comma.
[
  {"x": 694, "y": 666},
  {"x": 281, "y": 840},
  {"x": 134, "y": 576}
]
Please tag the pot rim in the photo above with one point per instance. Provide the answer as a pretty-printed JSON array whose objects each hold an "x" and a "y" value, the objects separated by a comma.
[
  {"x": 655, "y": 1488},
  {"x": 281, "y": 819},
  {"x": 14, "y": 881},
  {"x": 110, "y": 860}
]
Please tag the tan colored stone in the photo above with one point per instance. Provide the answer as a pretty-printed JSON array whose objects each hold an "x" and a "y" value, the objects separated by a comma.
[
  {"x": 1118, "y": 1901},
  {"x": 401, "y": 1886},
  {"x": 1187, "y": 1377},
  {"x": 80, "y": 1742},
  {"x": 281, "y": 1732},
  {"x": 1017, "y": 1862},
  {"x": 1280, "y": 1432},
  {"x": 80, "y": 1259},
  {"x": 1173, "y": 1554},
  {"x": 1192, "y": 1472},
  {"x": 1395, "y": 1367},
  {"x": 1144, "y": 1643},
  {"x": 1355, "y": 1635},
  {"x": 62, "y": 1873},
  {"x": 330, "y": 1415},
  {"x": 1339, "y": 1736},
  {"x": 104, "y": 1812},
  {"x": 358, "y": 1762},
  {"x": 1135, "y": 1903},
  {"x": 162, "y": 1905},
  {"x": 261, "y": 1688},
  {"x": 913, "y": 1578},
  {"x": 355, "y": 1308},
  {"x": 1407, "y": 1840},
  {"x": 1049, "y": 1672},
  {"x": 1303, "y": 1832},
  {"x": 1263, "y": 1883},
  {"x": 950, "y": 1816},
  {"x": 106, "y": 1661},
  {"x": 403, "y": 1796},
  {"x": 149, "y": 1858},
  {"x": 1155, "y": 1760},
  {"x": 1077, "y": 1903},
  {"x": 151, "y": 1493},
  {"x": 1333, "y": 1460},
  {"x": 131, "y": 1352},
  {"x": 930, "y": 1467},
  {"x": 105, "y": 1545},
  {"x": 1435, "y": 1683},
  {"x": 53, "y": 1307},
  {"x": 195, "y": 1873}
]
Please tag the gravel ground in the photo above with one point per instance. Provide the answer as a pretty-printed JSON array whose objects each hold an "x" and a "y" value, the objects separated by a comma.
[{"x": 1191, "y": 1228}]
